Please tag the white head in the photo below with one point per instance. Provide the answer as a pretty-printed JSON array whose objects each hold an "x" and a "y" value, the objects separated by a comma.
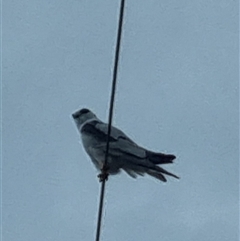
[{"x": 83, "y": 115}]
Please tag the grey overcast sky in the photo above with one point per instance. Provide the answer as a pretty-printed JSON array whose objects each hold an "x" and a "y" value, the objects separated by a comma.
[{"x": 177, "y": 92}]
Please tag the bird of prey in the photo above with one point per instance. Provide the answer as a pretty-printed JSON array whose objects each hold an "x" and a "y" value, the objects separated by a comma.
[{"x": 123, "y": 153}]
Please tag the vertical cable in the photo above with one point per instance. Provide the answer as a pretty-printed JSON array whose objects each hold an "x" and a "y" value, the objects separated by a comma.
[{"x": 114, "y": 80}]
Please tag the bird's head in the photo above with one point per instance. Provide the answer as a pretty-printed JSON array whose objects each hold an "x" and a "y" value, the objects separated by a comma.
[{"x": 83, "y": 115}]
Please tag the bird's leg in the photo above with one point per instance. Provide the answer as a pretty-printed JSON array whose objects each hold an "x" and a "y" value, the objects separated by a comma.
[{"x": 104, "y": 174}]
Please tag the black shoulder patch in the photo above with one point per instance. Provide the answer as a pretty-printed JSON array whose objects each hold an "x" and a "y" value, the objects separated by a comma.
[
  {"x": 90, "y": 129},
  {"x": 122, "y": 137}
]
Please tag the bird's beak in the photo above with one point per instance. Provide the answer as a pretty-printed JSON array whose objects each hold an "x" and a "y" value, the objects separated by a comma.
[{"x": 75, "y": 115}]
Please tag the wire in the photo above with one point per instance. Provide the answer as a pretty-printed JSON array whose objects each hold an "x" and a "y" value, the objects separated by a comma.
[{"x": 114, "y": 81}]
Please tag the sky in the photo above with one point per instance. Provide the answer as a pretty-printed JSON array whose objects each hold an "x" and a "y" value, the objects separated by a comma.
[{"x": 177, "y": 92}]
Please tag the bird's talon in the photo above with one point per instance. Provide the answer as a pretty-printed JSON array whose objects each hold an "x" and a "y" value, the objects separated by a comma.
[{"x": 103, "y": 176}]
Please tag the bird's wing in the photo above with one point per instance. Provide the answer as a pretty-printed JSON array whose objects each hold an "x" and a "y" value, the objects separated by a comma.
[
  {"x": 119, "y": 142},
  {"x": 124, "y": 147},
  {"x": 115, "y": 132}
]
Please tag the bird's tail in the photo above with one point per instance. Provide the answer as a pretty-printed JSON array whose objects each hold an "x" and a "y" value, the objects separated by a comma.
[
  {"x": 156, "y": 175},
  {"x": 158, "y": 172},
  {"x": 160, "y": 158}
]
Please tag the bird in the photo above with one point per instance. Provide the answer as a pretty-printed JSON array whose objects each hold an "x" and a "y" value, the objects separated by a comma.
[{"x": 123, "y": 154}]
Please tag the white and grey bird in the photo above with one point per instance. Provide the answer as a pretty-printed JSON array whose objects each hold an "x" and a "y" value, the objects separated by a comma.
[{"x": 123, "y": 153}]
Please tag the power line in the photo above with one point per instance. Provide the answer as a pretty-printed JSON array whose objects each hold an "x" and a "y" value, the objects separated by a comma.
[{"x": 114, "y": 80}]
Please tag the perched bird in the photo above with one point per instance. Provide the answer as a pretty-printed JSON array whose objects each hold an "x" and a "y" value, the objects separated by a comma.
[{"x": 123, "y": 153}]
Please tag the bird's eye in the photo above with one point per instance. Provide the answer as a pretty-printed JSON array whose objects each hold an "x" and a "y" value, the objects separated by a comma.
[{"x": 84, "y": 111}]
